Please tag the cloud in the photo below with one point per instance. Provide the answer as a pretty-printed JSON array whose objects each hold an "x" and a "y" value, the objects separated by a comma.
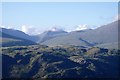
[
  {"x": 107, "y": 20},
  {"x": 25, "y": 28},
  {"x": 117, "y": 17},
  {"x": 7, "y": 27},
  {"x": 30, "y": 30},
  {"x": 2, "y": 27},
  {"x": 56, "y": 28},
  {"x": 85, "y": 27},
  {"x": 82, "y": 27}
]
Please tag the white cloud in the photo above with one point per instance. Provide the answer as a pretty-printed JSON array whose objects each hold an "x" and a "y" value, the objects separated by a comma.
[
  {"x": 30, "y": 30},
  {"x": 82, "y": 27},
  {"x": 7, "y": 27},
  {"x": 85, "y": 27},
  {"x": 26, "y": 29},
  {"x": 2, "y": 26},
  {"x": 56, "y": 28},
  {"x": 117, "y": 17}
]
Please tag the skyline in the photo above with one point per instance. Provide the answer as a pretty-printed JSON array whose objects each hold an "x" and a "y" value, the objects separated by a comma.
[{"x": 42, "y": 16}]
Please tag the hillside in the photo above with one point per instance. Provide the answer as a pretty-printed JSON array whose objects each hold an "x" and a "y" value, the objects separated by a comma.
[
  {"x": 8, "y": 40},
  {"x": 39, "y": 61},
  {"x": 49, "y": 35},
  {"x": 18, "y": 33},
  {"x": 106, "y": 34}
]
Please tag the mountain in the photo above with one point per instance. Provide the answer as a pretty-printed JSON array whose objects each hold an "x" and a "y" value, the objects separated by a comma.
[
  {"x": 50, "y": 34},
  {"x": 106, "y": 34},
  {"x": 19, "y": 34},
  {"x": 68, "y": 39},
  {"x": 9, "y": 38}
]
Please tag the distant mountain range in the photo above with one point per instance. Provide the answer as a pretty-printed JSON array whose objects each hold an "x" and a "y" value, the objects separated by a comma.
[
  {"x": 107, "y": 34},
  {"x": 103, "y": 36}
]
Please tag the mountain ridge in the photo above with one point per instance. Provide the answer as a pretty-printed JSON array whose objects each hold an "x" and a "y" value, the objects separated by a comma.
[{"x": 104, "y": 35}]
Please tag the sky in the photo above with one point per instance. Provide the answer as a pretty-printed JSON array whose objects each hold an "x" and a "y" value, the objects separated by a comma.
[
  {"x": 37, "y": 17},
  {"x": 60, "y": 0}
]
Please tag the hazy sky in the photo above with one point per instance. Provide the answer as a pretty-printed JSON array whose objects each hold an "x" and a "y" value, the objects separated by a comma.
[{"x": 36, "y": 17}]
